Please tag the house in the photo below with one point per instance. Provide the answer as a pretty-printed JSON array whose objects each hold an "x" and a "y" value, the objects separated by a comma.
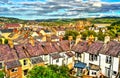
[
  {"x": 9, "y": 62},
  {"x": 80, "y": 48},
  {"x": 53, "y": 54},
  {"x": 109, "y": 55},
  {"x": 35, "y": 52},
  {"x": 6, "y": 32},
  {"x": 24, "y": 59},
  {"x": 92, "y": 59},
  {"x": 69, "y": 59},
  {"x": 56, "y": 59},
  {"x": 14, "y": 69},
  {"x": 11, "y": 26}
]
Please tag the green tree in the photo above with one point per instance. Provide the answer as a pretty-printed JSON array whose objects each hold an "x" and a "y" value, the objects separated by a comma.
[
  {"x": 101, "y": 36},
  {"x": 0, "y": 41},
  {"x": 72, "y": 33},
  {"x": 51, "y": 71},
  {"x": 6, "y": 41},
  {"x": 87, "y": 33},
  {"x": 1, "y": 74}
]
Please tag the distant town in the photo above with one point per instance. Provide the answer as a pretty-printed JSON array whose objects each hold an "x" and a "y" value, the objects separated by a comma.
[{"x": 89, "y": 48}]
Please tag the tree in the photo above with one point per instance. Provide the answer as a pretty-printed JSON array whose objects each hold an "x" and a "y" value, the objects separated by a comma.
[
  {"x": 101, "y": 36},
  {"x": 51, "y": 71},
  {"x": 0, "y": 41},
  {"x": 87, "y": 33},
  {"x": 6, "y": 41},
  {"x": 1, "y": 74},
  {"x": 72, "y": 33}
]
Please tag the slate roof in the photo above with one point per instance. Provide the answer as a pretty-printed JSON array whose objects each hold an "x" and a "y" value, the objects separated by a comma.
[
  {"x": 12, "y": 64},
  {"x": 6, "y": 30},
  {"x": 36, "y": 60}
]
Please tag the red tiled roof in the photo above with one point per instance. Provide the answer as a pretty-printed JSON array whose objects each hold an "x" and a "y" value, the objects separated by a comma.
[
  {"x": 49, "y": 47},
  {"x": 80, "y": 47},
  {"x": 57, "y": 46},
  {"x": 65, "y": 45},
  {"x": 95, "y": 47},
  {"x": 34, "y": 50},
  {"x": 12, "y": 25},
  {"x": 107, "y": 47},
  {"x": 20, "y": 52}
]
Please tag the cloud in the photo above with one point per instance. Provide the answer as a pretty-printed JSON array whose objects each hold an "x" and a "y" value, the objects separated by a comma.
[{"x": 57, "y": 8}]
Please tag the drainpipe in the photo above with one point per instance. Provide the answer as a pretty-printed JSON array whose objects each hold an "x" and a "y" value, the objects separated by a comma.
[
  {"x": 99, "y": 60},
  {"x": 118, "y": 74},
  {"x": 111, "y": 67}
]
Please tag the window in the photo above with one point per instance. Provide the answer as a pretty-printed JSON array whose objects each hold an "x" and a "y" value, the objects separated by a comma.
[
  {"x": 25, "y": 72},
  {"x": 107, "y": 72},
  {"x": 45, "y": 58},
  {"x": 57, "y": 60},
  {"x": 114, "y": 73},
  {"x": 25, "y": 62},
  {"x": 1, "y": 65},
  {"x": 108, "y": 59},
  {"x": 93, "y": 73},
  {"x": 14, "y": 70},
  {"x": 93, "y": 57},
  {"x": 78, "y": 54}
]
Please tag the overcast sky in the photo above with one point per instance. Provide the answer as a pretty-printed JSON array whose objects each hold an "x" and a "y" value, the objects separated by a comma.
[{"x": 49, "y": 9}]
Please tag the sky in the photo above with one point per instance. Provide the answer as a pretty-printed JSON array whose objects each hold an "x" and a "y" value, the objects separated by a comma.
[{"x": 51, "y": 9}]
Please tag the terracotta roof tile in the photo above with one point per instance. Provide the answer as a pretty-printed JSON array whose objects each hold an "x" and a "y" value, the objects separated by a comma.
[
  {"x": 20, "y": 52},
  {"x": 95, "y": 47},
  {"x": 65, "y": 45},
  {"x": 80, "y": 47},
  {"x": 6, "y": 53}
]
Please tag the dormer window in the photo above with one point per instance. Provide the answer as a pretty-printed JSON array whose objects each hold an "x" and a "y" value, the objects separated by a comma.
[{"x": 25, "y": 62}]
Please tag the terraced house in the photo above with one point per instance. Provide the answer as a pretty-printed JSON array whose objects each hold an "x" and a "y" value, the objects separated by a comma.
[{"x": 93, "y": 58}]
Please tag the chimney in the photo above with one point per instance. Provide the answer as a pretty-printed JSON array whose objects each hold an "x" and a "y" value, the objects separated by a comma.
[
  {"x": 10, "y": 42},
  {"x": 78, "y": 39},
  {"x": 119, "y": 38},
  {"x": 61, "y": 37},
  {"x": 90, "y": 39},
  {"x": 106, "y": 39},
  {"x": 48, "y": 38},
  {"x": 70, "y": 38},
  {"x": 96, "y": 38},
  {"x": 32, "y": 41}
]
